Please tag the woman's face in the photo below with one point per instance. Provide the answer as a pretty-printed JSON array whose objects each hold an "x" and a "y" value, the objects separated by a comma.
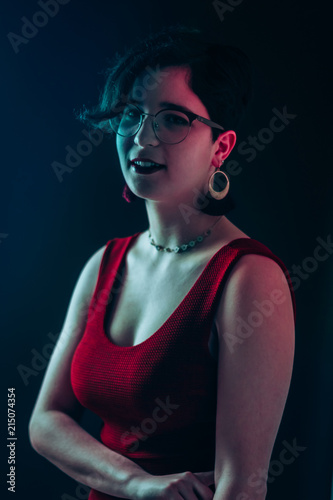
[{"x": 189, "y": 163}]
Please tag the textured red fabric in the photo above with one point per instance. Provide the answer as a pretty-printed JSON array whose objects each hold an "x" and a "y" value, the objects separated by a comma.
[{"x": 157, "y": 400}]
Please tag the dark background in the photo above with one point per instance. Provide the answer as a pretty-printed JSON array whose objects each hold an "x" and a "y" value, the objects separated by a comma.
[{"x": 49, "y": 229}]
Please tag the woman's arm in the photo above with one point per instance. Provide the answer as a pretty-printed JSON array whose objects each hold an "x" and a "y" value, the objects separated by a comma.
[
  {"x": 59, "y": 438},
  {"x": 53, "y": 428},
  {"x": 256, "y": 331}
]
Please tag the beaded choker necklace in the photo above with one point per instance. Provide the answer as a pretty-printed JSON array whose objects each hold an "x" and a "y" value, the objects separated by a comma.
[{"x": 187, "y": 246}]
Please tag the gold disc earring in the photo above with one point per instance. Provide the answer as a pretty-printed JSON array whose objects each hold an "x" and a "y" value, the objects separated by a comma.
[{"x": 219, "y": 184}]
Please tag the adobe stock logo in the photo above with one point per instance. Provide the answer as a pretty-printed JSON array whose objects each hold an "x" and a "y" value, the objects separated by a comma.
[
  {"x": 75, "y": 155},
  {"x": 261, "y": 477},
  {"x": 39, "y": 19},
  {"x": 224, "y": 7},
  {"x": 244, "y": 328},
  {"x": 39, "y": 361}
]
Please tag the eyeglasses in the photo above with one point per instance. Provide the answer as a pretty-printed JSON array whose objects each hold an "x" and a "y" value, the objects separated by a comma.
[{"x": 170, "y": 126}]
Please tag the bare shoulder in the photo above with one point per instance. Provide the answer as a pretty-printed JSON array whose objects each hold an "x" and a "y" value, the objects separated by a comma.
[
  {"x": 256, "y": 274},
  {"x": 255, "y": 280},
  {"x": 257, "y": 270},
  {"x": 96, "y": 257},
  {"x": 90, "y": 270}
]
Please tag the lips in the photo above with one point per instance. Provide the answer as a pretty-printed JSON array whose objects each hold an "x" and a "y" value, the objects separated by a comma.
[
  {"x": 145, "y": 166},
  {"x": 145, "y": 163}
]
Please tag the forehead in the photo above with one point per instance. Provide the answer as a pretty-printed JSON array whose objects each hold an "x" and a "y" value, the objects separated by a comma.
[{"x": 166, "y": 84}]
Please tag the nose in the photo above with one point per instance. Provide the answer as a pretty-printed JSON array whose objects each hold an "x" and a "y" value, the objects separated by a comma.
[{"x": 146, "y": 135}]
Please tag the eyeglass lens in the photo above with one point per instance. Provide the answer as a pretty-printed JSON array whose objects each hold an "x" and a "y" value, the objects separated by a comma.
[{"x": 170, "y": 126}]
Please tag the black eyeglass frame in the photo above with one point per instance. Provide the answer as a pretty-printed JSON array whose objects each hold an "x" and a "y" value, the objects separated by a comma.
[{"x": 190, "y": 115}]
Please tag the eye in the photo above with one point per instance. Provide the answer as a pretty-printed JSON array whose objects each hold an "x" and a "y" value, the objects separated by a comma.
[
  {"x": 176, "y": 119},
  {"x": 131, "y": 113}
]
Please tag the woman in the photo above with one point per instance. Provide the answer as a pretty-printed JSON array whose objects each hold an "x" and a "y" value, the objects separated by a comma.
[{"x": 180, "y": 337}]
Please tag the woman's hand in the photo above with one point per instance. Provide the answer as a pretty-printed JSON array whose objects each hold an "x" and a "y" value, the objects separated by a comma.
[{"x": 181, "y": 486}]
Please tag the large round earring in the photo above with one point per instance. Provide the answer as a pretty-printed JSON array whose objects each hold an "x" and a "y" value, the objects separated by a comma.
[{"x": 218, "y": 184}]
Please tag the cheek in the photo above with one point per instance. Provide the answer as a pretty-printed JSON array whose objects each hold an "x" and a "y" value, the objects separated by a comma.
[
  {"x": 123, "y": 144},
  {"x": 198, "y": 154}
]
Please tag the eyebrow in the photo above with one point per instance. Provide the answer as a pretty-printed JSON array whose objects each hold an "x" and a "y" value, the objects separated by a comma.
[{"x": 166, "y": 104}]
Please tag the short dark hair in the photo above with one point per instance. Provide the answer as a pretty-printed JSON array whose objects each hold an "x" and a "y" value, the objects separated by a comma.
[{"x": 220, "y": 75}]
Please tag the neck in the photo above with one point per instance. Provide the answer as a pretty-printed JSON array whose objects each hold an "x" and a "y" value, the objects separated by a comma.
[{"x": 172, "y": 226}]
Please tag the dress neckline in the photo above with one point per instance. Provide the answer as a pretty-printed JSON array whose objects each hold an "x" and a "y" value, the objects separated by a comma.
[{"x": 121, "y": 260}]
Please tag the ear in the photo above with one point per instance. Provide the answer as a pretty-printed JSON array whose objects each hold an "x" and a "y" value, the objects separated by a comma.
[{"x": 223, "y": 146}]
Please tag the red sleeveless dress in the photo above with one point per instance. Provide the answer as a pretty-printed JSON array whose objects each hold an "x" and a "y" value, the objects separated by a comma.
[{"x": 157, "y": 399}]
